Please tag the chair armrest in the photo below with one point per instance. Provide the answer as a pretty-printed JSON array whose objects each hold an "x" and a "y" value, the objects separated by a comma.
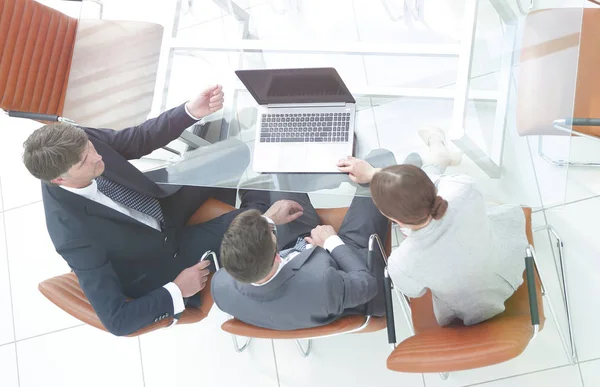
[
  {"x": 583, "y": 121},
  {"x": 32, "y": 116},
  {"x": 389, "y": 308},
  {"x": 531, "y": 288},
  {"x": 370, "y": 258},
  {"x": 371, "y": 252},
  {"x": 581, "y": 127},
  {"x": 374, "y": 244}
]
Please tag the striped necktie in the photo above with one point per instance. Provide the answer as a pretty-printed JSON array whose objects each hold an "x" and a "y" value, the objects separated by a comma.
[
  {"x": 299, "y": 247},
  {"x": 130, "y": 198}
]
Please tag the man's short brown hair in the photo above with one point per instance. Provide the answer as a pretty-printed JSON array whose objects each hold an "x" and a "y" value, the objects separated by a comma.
[
  {"x": 53, "y": 149},
  {"x": 248, "y": 250}
]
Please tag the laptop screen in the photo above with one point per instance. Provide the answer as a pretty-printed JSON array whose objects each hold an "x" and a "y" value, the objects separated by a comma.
[{"x": 311, "y": 85}]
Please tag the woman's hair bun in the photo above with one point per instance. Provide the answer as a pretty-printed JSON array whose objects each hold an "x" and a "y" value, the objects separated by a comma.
[{"x": 439, "y": 208}]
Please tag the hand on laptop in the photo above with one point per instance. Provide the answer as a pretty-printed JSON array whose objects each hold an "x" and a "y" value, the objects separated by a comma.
[
  {"x": 319, "y": 235},
  {"x": 358, "y": 170},
  {"x": 284, "y": 211}
]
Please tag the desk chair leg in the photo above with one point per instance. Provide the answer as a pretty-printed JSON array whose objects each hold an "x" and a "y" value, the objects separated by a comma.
[
  {"x": 304, "y": 352},
  {"x": 236, "y": 345},
  {"x": 444, "y": 375},
  {"x": 561, "y": 271},
  {"x": 563, "y": 163}
]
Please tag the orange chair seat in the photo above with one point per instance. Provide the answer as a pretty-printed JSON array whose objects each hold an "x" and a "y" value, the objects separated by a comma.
[
  {"x": 342, "y": 325},
  {"x": 458, "y": 347},
  {"x": 64, "y": 290},
  {"x": 333, "y": 217},
  {"x": 462, "y": 347}
]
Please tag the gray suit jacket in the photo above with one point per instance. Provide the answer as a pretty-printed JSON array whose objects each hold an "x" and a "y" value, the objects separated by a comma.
[{"x": 313, "y": 289}]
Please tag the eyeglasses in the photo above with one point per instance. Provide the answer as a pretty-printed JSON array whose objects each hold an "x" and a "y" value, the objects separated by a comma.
[
  {"x": 273, "y": 228},
  {"x": 272, "y": 225}
]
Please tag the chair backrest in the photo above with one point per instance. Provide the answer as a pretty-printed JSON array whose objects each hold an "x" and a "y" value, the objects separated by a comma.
[
  {"x": 559, "y": 45},
  {"x": 333, "y": 217},
  {"x": 35, "y": 56},
  {"x": 64, "y": 290},
  {"x": 516, "y": 305},
  {"x": 99, "y": 73},
  {"x": 113, "y": 73},
  {"x": 458, "y": 347}
]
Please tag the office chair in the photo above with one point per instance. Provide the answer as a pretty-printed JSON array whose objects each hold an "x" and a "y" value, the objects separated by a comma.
[
  {"x": 455, "y": 347},
  {"x": 64, "y": 290},
  {"x": 559, "y": 88},
  {"x": 343, "y": 325},
  {"x": 98, "y": 73}
]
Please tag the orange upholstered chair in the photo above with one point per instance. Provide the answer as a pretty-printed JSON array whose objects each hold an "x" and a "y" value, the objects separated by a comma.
[
  {"x": 456, "y": 347},
  {"x": 347, "y": 324},
  {"x": 98, "y": 73},
  {"x": 64, "y": 291},
  {"x": 559, "y": 87}
]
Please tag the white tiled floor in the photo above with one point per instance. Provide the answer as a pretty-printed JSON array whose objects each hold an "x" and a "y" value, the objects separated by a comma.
[
  {"x": 82, "y": 356},
  {"x": 590, "y": 373},
  {"x": 32, "y": 259},
  {"x": 576, "y": 224},
  {"x": 557, "y": 377},
  {"x": 203, "y": 353},
  {"x": 20, "y": 187},
  {"x": 53, "y": 349},
  {"x": 6, "y": 319},
  {"x": 8, "y": 366}
]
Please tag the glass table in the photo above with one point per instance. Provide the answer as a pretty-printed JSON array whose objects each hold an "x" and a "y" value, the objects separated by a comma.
[
  {"x": 408, "y": 63},
  {"x": 228, "y": 163}
]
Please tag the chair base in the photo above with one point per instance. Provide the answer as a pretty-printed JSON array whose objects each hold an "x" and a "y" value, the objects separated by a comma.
[
  {"x": 567, "y": 339},
  {"x": 304, "y": 352},
  {"x": 564, "y": 163},
  {"x": 569, "y": 346},
  {"x": 236, "y": 345}
]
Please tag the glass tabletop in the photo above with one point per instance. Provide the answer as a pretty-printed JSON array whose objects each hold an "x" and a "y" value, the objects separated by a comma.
[
  {"x": 228, "y": 163},
  {"x": 424, "y": 62}
]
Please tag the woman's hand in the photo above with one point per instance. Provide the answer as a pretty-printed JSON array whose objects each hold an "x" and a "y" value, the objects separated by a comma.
[{"x": 358, "y": 170}]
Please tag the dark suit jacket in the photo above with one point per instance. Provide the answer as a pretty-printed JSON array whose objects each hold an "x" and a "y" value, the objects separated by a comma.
[
  {"x": 114, "y": 255},
  {"x": 313, "y": 289}
]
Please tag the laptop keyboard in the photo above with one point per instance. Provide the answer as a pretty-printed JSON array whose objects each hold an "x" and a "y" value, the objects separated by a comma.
[{"x": 305, "y": 127}]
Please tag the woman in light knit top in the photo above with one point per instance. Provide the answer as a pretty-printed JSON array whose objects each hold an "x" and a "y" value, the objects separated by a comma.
[{"x": 470, "y": 256}]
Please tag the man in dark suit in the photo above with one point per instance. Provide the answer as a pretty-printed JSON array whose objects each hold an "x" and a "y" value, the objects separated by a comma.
[
  {"x": 283, "y": 270},
  {"x": 122, "y": 234}
]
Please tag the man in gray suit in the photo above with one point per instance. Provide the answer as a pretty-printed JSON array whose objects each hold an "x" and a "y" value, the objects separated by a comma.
[{"x": 283, "y": 270}]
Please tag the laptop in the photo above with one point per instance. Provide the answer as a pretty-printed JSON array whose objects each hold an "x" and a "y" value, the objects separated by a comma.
[{"x": 305, "y": 119}]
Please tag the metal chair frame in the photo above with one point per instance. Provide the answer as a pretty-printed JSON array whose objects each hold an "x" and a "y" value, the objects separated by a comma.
[
  {"x": 305, "y": 351},
  {"x": 531, "y": 265},
  {"x": 564, "y": 126}
]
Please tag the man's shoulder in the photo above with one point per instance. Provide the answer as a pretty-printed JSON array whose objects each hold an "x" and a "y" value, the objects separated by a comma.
[
  {"x": 221, "y": 283},
  {"x": 64, "y": 220}
]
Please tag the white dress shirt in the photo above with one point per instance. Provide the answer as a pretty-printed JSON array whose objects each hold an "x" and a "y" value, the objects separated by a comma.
[{"x": 330, "y": 243}]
